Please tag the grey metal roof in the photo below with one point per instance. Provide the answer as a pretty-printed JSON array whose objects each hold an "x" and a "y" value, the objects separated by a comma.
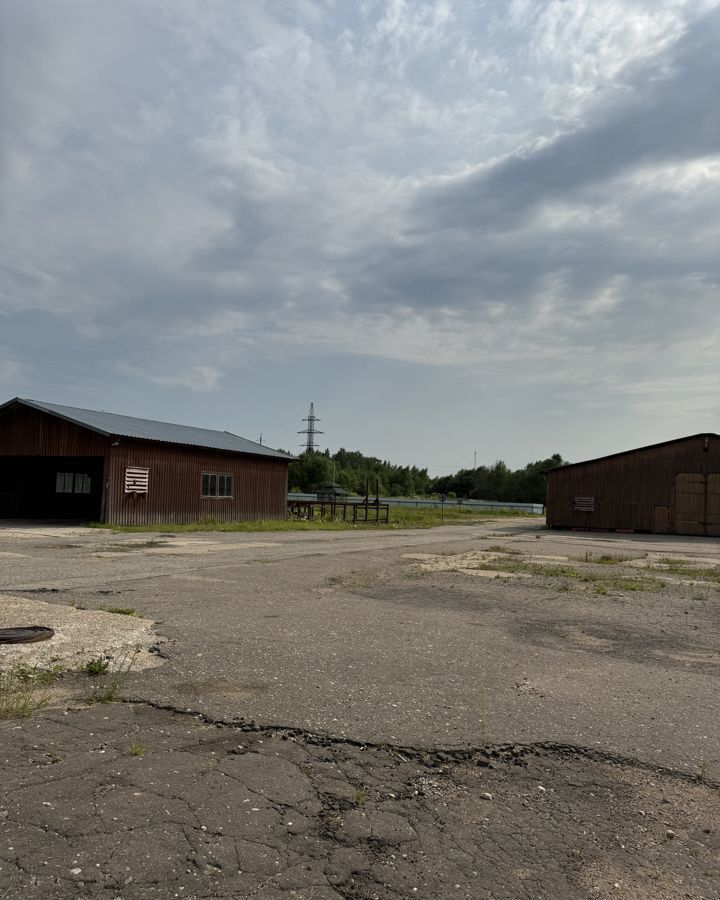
[{"x": 149, "y": 430}]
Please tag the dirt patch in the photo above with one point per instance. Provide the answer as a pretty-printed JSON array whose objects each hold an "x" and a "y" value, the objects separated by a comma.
[{"x": 472, "y": 563}]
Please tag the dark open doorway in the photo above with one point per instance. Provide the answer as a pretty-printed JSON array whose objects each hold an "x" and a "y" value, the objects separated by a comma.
[{"x": 51, "y": 487}]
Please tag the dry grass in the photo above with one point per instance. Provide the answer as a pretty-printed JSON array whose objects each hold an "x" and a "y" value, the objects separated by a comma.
[
  {"x": 20, "y": 691},
  {"x": 687, "y": 569},
  {"x": 603, "y": 583}
]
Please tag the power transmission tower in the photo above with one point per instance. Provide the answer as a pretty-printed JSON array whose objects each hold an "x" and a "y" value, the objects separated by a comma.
[{"x": 310, "y": 431}]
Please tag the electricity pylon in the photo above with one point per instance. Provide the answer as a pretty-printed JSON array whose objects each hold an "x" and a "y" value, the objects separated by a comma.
[{"x": 310, "y": 431}]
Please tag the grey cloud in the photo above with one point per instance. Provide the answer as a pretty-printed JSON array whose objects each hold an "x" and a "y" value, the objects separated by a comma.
[
  {"x": 665, "y": 110},
  {"x": 487, "y": 241},
  {"x": 309, "y": 231}
]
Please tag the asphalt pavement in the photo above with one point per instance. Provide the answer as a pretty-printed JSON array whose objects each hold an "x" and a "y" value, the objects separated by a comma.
[{"x": 521, "y": 736}]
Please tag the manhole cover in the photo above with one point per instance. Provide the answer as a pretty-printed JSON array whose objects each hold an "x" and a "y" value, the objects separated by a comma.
[{"x": 29, "y": 635}]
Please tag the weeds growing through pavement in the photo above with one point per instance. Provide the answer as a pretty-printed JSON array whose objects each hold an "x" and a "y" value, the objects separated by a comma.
[
  {"x": 687, "y": 569},
  {"x": 602, "y": 583},
  {"x": 37, "y": 676},
  {"x": 120, "y": 610},
  {"x": 95, "y": 667},
  {"x": 19, "y": 694},
  {"x": 605, "y": 559},
  {"x": 108, "y": 685}
]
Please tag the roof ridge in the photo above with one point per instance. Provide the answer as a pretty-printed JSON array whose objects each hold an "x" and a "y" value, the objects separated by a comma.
[
  {"x": 106, "y": 412},
  {"x": 135, "y": 427}
]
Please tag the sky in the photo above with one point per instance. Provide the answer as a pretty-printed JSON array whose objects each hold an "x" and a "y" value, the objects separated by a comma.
[{"x": 462, "y": 229}]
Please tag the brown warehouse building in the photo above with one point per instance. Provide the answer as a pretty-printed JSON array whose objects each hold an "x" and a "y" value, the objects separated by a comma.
[
  {"x": 668, "y": 488},
  {"x": 59, "y": 462}
]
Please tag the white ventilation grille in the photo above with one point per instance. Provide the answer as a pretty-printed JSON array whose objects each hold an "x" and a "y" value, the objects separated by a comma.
[
  {"x": 136, "y": 480},
  {"x": 585, "y": 504}
]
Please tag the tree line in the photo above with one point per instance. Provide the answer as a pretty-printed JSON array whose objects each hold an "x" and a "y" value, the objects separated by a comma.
[
  {"x": 499, "y": 482},
  {"x": 352, "y": 471}
]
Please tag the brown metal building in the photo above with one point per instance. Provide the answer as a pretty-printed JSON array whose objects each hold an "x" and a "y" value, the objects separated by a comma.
[
  {"x": 59, "y": 462},
  {"x": 668, "y": 488}
]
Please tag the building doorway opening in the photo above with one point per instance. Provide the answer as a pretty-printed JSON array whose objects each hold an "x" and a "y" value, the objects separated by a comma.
[{"x": 51, "y": 487}]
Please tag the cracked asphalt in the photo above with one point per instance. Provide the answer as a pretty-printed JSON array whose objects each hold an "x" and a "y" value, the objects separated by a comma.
[{"x": 336, "y": 719}]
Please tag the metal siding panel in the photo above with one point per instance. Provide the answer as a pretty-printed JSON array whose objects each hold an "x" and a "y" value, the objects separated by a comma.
[
  {"x": 690, "y": 503},
  {"x": 627, "y": 488},
  {"x": 175, "y": 471},
  {"x": 713, "y": 504},
  {"x": 27, "y": 435},
  {"x": 174, "y": 498},
  {"x": 661, "y": 520},
  {"x": 28, "y": 432}
]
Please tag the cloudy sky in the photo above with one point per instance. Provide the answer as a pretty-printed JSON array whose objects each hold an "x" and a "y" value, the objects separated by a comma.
[{"x": 454, "y": 225}]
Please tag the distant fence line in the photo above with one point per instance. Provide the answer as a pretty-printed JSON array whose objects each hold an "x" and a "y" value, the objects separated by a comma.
[{"x": 535, "y": 509}]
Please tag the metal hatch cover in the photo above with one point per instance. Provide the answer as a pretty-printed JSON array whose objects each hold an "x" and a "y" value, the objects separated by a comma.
[{"x": 29, "y": 634}]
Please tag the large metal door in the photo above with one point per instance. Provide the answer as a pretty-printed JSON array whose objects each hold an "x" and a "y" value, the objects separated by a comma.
[
  {"x": 690, "y": 503},
  {"x": 713, "y": 504}
]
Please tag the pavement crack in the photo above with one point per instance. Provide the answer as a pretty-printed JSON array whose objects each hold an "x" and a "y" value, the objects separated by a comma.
[{"x": 438, "y": 757}]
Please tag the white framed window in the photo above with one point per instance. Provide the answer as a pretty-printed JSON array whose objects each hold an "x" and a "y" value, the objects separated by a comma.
[
  {"x": 585, "y": 504},
  {"x": 217, "y": 484}
]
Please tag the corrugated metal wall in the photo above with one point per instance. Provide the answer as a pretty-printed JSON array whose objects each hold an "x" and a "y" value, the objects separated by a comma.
[
  {"x": 174, "y": 496},
  {"x": 28, "y": 432},
  {"x": 635, "y": 491}
]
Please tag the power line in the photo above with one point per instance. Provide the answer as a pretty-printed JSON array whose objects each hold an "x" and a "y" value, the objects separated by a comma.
[{"x": 310, "y": 431}]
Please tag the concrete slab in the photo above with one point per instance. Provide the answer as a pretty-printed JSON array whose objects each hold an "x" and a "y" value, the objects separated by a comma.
[{"x": 80, "y": 635}]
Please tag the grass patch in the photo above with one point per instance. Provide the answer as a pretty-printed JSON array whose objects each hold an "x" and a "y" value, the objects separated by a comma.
[
  {"x": 602, "y": 583},
  {"x": 95, "y": 667},
  {"x": 637, "y": 583},
  {"x": 619, "y": 584},
  {"x": 408, "y": 517},
  {"x": 109, "y": 684},
  {"x": 520, "y": 567},
  {"x": 19, "y": 694},
  {"x": 687, "y": 570},
  {"x": 605, "y": 559},
  {"x": 120, "y": 610},
  {"x": 37, "y": 676},
  {"x": 400, "y": 517},
  {"x": 498, "y": 548},
  {"x": 136, "y": 749}
]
